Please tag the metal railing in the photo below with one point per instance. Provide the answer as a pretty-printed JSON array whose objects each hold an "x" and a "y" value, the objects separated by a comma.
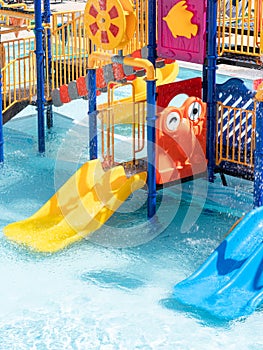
[
  {"x": 19, "y": 80},
  {"x": 135, "y": 131},
  {"x": 70, "y": 47},
  {"x": 235, "y": 135},
  {"x": 240, "y": 27}
]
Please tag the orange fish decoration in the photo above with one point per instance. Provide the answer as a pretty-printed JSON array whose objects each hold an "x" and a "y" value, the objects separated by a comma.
[{"x": 179, "y": 21}]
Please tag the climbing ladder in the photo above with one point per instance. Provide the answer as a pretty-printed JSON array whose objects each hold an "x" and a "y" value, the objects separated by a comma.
[{"x": 134, "y": 116}]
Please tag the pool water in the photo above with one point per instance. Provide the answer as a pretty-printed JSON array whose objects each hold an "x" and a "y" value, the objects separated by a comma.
[
  {"x": 113, "y": 290},
  {"x": 226, "y": 73}
]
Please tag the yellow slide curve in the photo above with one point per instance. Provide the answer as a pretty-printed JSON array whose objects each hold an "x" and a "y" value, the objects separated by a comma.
[{"x": 81, "y": 206}]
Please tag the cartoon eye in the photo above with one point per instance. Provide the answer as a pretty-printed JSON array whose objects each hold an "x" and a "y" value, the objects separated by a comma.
[
  {"x": 173, "y": 121},
  {"x": 194, "y": 111}
]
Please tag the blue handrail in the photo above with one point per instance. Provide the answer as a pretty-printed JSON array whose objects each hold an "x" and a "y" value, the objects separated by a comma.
[
  {"x": 211, "y": 87},
  {"x": 92, "y": 113},
  {"x": 40, "y": 76},
  {"x": 151, "y": 112}
]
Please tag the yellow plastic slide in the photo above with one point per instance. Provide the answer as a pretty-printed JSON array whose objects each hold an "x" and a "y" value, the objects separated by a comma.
[{"x": 81, "y": 206}]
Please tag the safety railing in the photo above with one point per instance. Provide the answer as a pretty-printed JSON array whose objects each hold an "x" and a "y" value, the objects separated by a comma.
[
  {"x": 70, "y": 47},
  {"x": 140, "y": 38},
  {"x": 134, "y": 131},
  {"x": 235, "y": 135},
  {"x": 240, "y": 27},
  {"x": 18, "y": 79},
  {"x": 18, "y": 48}
]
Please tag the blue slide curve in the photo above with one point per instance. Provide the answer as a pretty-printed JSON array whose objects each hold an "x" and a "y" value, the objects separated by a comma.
[{"x": 230, "y": 283}]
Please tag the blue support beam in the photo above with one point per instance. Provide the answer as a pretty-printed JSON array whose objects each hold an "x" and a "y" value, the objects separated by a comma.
[
  {"x": 151, "y": 112},
  {"x": 152, "y": 31},
  {"x": 151, "y": 151},
  {"x": 46, "y": 19},
  {"x": 258, "y": 156},
  {"x": 92, "y": 113},
  {"x": 40, "y": 76},
  {"x": 211, "y": 87}
]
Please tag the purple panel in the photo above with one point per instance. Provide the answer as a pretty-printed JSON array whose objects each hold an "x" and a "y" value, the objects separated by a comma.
[{"x": 183, "y": 42}]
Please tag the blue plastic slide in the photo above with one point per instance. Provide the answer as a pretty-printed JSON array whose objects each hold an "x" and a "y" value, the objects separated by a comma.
[{"x": 230, "y": 283}]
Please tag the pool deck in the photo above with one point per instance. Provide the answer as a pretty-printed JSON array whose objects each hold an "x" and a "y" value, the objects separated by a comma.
[{"x": 231, "y": 71}]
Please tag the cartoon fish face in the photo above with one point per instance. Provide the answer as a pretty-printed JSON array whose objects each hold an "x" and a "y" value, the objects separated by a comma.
[
  {"x": 178, "y": 138},
  {"x": 195, "y": 110},
  {"x": 179, "y": 21}
]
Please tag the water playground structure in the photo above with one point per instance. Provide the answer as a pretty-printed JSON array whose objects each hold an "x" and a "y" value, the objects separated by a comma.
[{"x": 218, "y": 128}]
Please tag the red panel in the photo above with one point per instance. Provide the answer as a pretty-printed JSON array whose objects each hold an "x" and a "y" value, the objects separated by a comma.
[
  {"x": 103, "y": 5},
  {"x": 190, "y": 87},
  {"x": 64, "y": 95},
  {"x": 104, "y": 37},
  {"x": 114, "y": 30},
  {"x": 113, "y": 13},
  {"x": 131, "y": 77},
  {"x": 137, "y": 54},
  {"x": 118, "y": 71},
  {"x": 81, "y": 87},
  {"x": 100, "y": 82},
  {"x": 93, "y": 12},
  {"x": 94, "y": 28},
  {"x": 256, "y": 83},
  {"x": 180, "y": 153}
]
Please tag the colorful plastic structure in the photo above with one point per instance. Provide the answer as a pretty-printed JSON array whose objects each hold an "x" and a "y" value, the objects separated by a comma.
[{"x": 70, "y": 53}]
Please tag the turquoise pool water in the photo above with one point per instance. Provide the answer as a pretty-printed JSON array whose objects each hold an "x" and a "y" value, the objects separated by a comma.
[{"x": 112, "y": 290}]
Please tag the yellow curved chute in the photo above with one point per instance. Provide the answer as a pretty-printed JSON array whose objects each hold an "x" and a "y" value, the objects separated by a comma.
[{"x": 81, "y": 206}]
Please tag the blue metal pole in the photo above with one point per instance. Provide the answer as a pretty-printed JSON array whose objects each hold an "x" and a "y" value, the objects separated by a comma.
[
  {"x": 151, "y": 151},
  {"x": 151, "y": 112},
  {"x": 205, "y": 68},
  {"x": 46, "y": 19},
  {"x": 92, "y": 113},
  {"x": 211, "y": 87},
  {"x": 40, "y": 75},
  {"x": 258, "y": 156},
  {"x": 152, "y": 31},
  {"x": 1, "y": 122}
]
